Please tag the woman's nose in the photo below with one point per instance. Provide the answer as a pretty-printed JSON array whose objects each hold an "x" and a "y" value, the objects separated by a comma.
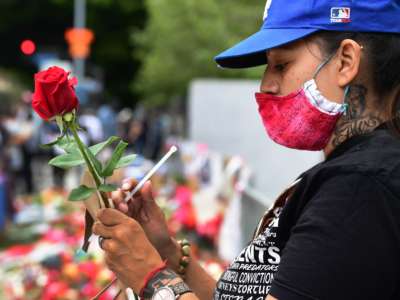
[{"x": 269, "y": 86}]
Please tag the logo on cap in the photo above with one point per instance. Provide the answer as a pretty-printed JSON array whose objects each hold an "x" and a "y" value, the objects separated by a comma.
[
  {"x": 267, "y": 6},
  {"x": 340, "y": 15}
]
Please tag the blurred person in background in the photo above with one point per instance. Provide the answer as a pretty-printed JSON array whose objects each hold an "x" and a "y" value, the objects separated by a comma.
[
  {"x": 155, "y": 135},
  {"x": 15, "y": 156},
  {"x": 108, "y": 119},
  {"x": 124, "y": 117},
  {"x": 137, "y": 133},
  {"x": 5, "y": 203},
  {"x": 332, "y": 84},
  {"x": 93, "y": 126},
  {"x": 48, "y": 132},
  {"x": 18, "y": 124}
]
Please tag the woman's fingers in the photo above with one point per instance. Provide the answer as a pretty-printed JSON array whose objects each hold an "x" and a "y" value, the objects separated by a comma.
[
  {"x": 118, "y": 199},
  {"x": 134, "y": 207},
  {"x": 117, "y": 196},
  {"x": 148, "y": 202},
  {"x": 108, "y": 245},
  {"x": 128, "y": 184},
  {"x": 102, "y": 230},
  {"x": 123, "y": 207},
  {"x": 147, "y": 192},
  {"x": 111, "y": 217},
  {"x": 135, "y": 203}
]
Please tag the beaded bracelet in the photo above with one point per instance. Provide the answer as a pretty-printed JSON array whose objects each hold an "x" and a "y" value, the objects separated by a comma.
[{"x": 185, "y": 259}]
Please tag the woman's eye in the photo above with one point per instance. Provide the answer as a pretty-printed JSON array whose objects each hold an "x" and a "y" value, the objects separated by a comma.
[{"x": 281, "y": 67}]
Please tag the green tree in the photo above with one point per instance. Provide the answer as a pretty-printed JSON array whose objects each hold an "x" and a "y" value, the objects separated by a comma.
[{"x": 182, "y": 37}]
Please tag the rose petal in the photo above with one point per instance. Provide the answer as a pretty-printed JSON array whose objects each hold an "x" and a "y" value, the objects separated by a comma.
[
  {"x": 55, "y": 101},
  {"x": 52, "y": 74},
  {"x": 39, "y": 99},
  {"x": 37, "y": 107},
  {"x": 65, "y": 99},
  {"x": 52, "y": 86},
  {"x": 73, "y": 81}
]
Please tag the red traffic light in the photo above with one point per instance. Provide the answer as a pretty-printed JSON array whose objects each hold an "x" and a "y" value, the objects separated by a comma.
[{"x": 28, "y": 47}]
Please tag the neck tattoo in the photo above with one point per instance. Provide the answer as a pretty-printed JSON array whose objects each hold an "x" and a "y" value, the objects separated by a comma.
[{"x": 358, "y": 120}]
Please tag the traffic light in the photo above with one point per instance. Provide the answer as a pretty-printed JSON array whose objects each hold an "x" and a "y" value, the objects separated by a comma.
[{"x": 79, "y": 40}]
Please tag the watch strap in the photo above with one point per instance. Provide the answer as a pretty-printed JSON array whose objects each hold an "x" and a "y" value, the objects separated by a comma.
[
  {"x": 164, "y": 278},
  {"x": 180, "y": 288}
]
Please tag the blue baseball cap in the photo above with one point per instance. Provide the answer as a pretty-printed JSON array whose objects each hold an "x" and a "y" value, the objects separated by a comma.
[{"x": 287, "y": 21}]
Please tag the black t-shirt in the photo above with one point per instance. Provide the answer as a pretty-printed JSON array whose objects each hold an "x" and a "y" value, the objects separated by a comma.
[{"x": 336, "y": 235}]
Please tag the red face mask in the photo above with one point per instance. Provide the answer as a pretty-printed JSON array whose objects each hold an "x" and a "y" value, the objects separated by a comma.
[{"x": 303, "y": 120}]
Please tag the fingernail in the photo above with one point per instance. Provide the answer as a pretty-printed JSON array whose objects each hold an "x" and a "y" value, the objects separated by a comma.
[
  {"x": 123, "y": 207},
  {"x": 126, "y": 186}
]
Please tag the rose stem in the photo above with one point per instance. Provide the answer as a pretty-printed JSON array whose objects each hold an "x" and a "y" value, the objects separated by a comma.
[
  {"x": 99, "y": 294},
  {"x": 92, "y": 170}
]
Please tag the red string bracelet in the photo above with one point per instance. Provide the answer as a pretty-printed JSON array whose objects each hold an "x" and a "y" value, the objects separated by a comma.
[{"x": 150, "y": 275}]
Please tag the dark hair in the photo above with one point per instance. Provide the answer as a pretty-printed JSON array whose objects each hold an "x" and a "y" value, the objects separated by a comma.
[{"x": 383, "y": 55}]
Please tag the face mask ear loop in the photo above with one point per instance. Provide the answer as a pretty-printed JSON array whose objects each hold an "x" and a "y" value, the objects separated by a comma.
[
  {"x": 323, "y": 64},
  {"x": 345, "y": 103}
]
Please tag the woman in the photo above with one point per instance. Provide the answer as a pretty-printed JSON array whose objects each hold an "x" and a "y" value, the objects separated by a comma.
[{"x": 332, "y": 84}]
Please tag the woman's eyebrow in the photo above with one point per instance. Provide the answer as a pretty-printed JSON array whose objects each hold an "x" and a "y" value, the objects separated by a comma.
[
  {"x": 278, "y": 54},
  {"x": 283, "y": 50}
]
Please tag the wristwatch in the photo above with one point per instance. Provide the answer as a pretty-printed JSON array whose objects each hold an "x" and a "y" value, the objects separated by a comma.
[{"x": 171, "y": 292}]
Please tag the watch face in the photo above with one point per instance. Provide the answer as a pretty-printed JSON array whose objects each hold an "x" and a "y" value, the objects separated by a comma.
[{"x": 164, "y": 293}]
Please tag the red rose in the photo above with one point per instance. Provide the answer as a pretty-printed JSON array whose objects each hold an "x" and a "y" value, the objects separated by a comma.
[{"x": 54, "y": 93}]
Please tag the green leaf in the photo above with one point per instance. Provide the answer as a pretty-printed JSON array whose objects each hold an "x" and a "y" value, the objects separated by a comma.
[
  {"x": 79, "y": 128},
  {"x": 51, "y": 144},
  {"x": 108, "y": 187},
  {"x": 125, "y": 161},
  {"x": 81, "y": 193},
  {"x": 96, "y": 149},
  {"x": 67, "y": 144},
  {"x": 56, "y": 142},
  {"x": 116, "y": 156},
  {"x": 74, "y": 158},
  {"x": 95, "y": 161},
  {"x": 66, "y": 161}
]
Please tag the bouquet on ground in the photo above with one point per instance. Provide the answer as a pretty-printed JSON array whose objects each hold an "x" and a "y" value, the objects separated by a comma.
[{"x": 55, "y": 99}]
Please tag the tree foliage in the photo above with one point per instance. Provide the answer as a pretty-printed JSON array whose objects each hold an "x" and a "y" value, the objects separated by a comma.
[{"x": 182, "y": 37}]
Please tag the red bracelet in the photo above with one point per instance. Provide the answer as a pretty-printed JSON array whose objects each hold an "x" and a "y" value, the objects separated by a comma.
[{"x": 150, "y": 275}]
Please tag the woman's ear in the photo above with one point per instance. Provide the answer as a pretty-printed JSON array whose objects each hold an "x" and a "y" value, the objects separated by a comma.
[{"x": 349, "y": 59}]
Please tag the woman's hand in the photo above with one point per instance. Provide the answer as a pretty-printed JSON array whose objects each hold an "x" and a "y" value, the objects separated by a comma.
[
  {"x": 148, "y": 214},
  {"x": 128, "y": 252}
]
